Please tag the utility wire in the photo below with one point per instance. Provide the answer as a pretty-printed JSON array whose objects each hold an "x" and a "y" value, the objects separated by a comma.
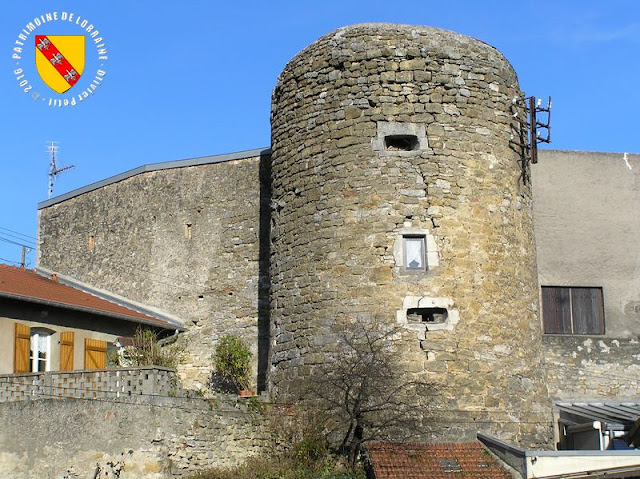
[
  {"x": 17, "y": 233},
  {"x": 17, "y": 238},
  {"x": 10, "y": 261},
  {"x": 596, "y": 375},
  {"x": 25, "y": 236},
  {"x": 7, "y": 240}
]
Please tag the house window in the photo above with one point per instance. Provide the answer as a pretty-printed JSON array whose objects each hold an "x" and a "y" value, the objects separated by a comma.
[
  {"x": 415, "y": 258},
  {"x": 572, "y": 310},
  {"x": 40, "y": 351}
]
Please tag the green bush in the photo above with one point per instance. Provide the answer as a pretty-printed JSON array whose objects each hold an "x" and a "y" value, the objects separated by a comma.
[
  {"x": 231, "y": 364},
  {"x": 147, "y": 351}
]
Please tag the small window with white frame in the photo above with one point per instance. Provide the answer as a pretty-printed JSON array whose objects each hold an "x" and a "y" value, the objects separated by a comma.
[
  {"x": 415, "y": 251},
  {"x": 415, "y": 254},
  {"x": 40, "y": 353}
]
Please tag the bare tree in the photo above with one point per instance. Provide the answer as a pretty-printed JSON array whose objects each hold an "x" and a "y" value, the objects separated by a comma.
[{"x": 363, "y": 391}]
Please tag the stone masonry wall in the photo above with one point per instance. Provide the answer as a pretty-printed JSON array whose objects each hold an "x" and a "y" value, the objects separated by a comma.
[
  {"x": 342, "y": 199},
  {"x": 184, "y": 240},
  {"x": 153, "y": 439},
  {"x": 592, "y": 368}
]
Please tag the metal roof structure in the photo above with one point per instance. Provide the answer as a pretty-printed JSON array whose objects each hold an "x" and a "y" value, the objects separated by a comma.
[{"x": 610, "y": 412}]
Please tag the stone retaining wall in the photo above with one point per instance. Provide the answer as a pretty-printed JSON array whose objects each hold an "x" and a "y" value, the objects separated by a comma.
[{"x": 150, "y": 437}]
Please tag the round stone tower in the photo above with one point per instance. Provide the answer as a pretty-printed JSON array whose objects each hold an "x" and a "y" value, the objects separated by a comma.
[{"x": 399, "y": 198}]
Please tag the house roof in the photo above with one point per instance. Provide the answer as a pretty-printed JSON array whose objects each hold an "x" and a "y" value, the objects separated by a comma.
[
  {"x": 467, "y": 460},
  {"x": 27, "y": 285}
]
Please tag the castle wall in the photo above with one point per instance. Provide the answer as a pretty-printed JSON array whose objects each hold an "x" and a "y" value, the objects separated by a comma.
[
  {"x": 586, "y": 226},
  {"x": 184, "y": 240},
  {"x": 386, "y": 132},
  {"x": 193, "y": 240}
]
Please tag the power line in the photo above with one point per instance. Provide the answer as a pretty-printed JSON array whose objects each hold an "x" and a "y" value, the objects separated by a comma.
[
  {"x": 595, "y": 375},
  {"x": 10, "y": 261},
  {"x": 17, "y": 238},
  {"x": 7, "y": 240},
  {"x": 18, "y": 233}
]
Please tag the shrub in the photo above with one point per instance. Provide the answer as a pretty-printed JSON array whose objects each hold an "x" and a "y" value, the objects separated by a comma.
[
  {"x": 146, "y": 351},
  {"x": 231, "y": 364}
]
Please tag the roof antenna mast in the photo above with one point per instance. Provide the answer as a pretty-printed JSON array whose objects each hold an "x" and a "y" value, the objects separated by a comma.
[{"x": 54, "y": 170}]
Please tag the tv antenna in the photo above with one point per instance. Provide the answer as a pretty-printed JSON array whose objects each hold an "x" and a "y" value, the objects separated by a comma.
[{"x": 54, "y": 169}]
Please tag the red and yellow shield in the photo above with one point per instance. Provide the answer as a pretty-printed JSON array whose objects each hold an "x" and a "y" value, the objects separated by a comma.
[{"x": 60, "y": 60}]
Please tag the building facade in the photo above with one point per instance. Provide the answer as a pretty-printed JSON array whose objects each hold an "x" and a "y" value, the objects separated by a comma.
[
  {"x": 392, "y": 193},
  {"x": 48, "y": 325}
]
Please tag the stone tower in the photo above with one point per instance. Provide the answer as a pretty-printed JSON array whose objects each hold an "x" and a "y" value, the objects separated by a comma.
[{"x": 397, "y": 197}]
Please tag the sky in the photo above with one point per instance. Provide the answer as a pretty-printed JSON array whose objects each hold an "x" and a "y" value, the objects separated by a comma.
[{"x": 194, "y": 78}]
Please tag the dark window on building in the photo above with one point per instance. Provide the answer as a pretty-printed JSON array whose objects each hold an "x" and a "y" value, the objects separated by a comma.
[
  {"x": 572, "y": 310},
  {"x": 427, "y": 315},
  {"x": 401, "y": 142}
]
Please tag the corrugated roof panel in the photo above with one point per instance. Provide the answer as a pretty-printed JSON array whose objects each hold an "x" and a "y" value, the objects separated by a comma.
[{"x": 610, "y": 412}]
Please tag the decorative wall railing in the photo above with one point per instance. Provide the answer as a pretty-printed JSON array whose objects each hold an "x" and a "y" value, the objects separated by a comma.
[{"x": 90, "y": 384}]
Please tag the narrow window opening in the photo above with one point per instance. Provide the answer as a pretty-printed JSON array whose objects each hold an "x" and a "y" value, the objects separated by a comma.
[
  {"x": 401, "y": 142},
  {"x": 40, "y": 351},
  {"x": 415, "y": 253},
  {"x": 427, "y": 315}
]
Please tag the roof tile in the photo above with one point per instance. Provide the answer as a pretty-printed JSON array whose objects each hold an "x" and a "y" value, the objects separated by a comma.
[
  {"x": 28, "y": 285},
  {"x": 434, "y": 461}
]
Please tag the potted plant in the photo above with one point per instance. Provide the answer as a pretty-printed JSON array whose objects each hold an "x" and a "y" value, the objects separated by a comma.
[{"x": 232, "y": 365}]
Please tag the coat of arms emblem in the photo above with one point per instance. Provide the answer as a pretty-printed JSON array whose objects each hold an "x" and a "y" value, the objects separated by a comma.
[{"x": 60, "y": 60}]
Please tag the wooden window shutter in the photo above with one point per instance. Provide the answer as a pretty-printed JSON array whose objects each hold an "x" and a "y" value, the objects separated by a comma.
[
  {"x": 587, "y": 309},
  {"x": 22, "y": 346},
  {"x": 556, "y": 310},
  {"x": 95, "y": 354},
  {"x": 66, "y": 351}
]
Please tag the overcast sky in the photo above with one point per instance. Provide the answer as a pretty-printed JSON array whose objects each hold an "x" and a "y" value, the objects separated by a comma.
[{"x": 194, "y": 78}]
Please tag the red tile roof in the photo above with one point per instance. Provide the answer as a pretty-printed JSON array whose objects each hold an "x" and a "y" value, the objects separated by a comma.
[
  {"x": 434, "y": 461},
  {"x": 27, "y": 285}
]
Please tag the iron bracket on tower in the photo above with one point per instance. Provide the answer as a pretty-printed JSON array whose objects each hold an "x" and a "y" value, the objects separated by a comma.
[{"x": 533, "y": 126}]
